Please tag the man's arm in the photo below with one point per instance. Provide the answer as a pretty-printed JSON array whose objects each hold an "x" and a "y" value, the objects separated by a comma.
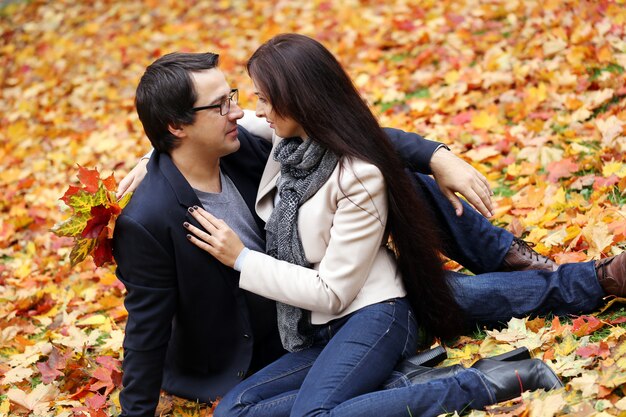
[
  {"x": 256, "y": 125},
  {"x": 145, "y": 268},
  {"x": 453, "y": 175}
]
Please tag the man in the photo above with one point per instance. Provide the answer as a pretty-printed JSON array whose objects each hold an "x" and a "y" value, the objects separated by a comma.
[{"x": 191, "y": 330}]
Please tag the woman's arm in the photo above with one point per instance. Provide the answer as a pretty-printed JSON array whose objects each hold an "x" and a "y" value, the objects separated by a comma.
[
  {"x": 356, "y": 236},
  {"x": 453, "y": 175}
]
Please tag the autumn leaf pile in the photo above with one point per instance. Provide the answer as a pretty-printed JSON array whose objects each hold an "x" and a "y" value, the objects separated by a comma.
[{"x": 532, "y": 93}]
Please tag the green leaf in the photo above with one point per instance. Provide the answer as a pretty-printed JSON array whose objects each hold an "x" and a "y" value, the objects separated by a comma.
[
  {"x": 101, "y": 197},
  {"x": 73, "y": 226},
  {"x": 81, "y": 202},
  {"x": 124, "y": 200}
]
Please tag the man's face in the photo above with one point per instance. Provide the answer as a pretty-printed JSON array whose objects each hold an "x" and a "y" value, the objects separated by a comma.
[{"x": 211, "y": 131}]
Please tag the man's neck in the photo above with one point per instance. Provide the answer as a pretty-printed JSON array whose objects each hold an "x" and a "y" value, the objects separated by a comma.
[{"x": 202, "y": 172}]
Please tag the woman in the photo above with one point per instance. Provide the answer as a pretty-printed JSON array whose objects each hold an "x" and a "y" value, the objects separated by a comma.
[{"x": 336, "y": 204}]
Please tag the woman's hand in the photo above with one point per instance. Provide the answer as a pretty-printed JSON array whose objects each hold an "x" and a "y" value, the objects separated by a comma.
[
  {"x": 454, "y": 175},
  {"x": 218, "y": 240},
  {"x": 130, "y": 182}
]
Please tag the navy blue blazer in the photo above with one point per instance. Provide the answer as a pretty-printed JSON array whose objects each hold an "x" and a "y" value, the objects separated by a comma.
[{"x": 190, "y": 329}]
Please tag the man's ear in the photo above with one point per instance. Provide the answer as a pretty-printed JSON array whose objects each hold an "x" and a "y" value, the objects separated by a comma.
[{"x": 177, "y": 131}]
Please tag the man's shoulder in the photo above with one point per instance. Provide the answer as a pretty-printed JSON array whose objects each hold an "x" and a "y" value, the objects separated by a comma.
[{"x": 152, "y": 201}]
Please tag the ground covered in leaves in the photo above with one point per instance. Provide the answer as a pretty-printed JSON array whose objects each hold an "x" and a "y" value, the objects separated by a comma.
[{"x": 531, "y": 92}]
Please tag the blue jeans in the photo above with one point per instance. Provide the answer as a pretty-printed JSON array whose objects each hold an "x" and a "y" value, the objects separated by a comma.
[
  {"x": 488, "y": 297},
  {"x": 491, "y": 297},
  {"x": 351, "y": 356},
  {"x": 471, "y": 239},
  {"x": 498, "y": 296},
  {"x": 342, "y": 374}
]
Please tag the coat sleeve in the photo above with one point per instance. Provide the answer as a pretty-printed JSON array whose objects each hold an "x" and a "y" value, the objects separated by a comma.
[
  {"x": 414, "y": 150},
  {"x": 356, "y": 238},
  {"x": 146, "y": 269},
  {"x": 257, "y": 126}
]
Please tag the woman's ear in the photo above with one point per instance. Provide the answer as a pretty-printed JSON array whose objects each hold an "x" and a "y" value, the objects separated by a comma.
[{"x": 177, "y": 131}]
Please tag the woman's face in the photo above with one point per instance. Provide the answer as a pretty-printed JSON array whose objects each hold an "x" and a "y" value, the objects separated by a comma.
[{"x": 283, "y": 126}]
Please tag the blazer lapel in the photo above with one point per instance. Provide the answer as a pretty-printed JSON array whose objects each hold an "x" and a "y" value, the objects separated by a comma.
[
  {"x": 265, "y": 196},
  {"x": 181, "y": 188}
]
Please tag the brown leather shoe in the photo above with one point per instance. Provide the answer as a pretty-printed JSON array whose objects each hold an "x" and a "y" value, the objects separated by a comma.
[
  {"x": 611, "y": 274},
  {"x": 522, "y": 257}
]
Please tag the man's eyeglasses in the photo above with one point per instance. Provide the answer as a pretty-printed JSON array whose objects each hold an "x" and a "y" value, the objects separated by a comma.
[{"x": 224, "y": 104}]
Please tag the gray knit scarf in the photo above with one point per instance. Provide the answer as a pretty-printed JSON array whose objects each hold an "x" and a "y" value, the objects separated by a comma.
[{"x": 305, "y": 167}]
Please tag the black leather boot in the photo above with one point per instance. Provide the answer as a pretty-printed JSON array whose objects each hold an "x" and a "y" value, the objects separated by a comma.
[
  {"x": 510, "y": 379},
  {"x": 423, "y": 361},
  {"x": 431, "y": 357}
]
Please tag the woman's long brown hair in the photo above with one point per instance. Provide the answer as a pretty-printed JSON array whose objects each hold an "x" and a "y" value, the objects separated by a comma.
[{"x": 304, "y": 81}]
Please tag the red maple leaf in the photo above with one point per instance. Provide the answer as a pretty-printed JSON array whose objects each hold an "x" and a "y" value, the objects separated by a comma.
[
  {"x": 110, "y": 183},
  {"x": 585, "y": 325},
  {"x": 618, "y": 320},
  {"x": 109, "y": 363},
  {"x": 89, "y": 178},
  {"x": 104, "y": 380},
  {"x": 51, "y": 369},
  {"x": 462, "y": 118},
  {"x": 70, "y": 192},
  {"x": 601, "y": 349},
  {"x": 100, "y": 216},
  {"x": 601, "y": 182},
  {"x": 88, "y": 412},
  {"x": 96, "y": 401},
  {"x": 35, "y": 306},
  {"x": 103, "y": 252},
  {"x": 561, "y": 169}
]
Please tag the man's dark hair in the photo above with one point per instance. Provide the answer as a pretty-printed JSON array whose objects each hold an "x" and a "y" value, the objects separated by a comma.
[{"x": 166, "y": 94}]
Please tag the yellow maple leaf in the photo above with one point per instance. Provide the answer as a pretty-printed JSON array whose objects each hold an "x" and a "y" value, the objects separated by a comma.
[
  {"x": 586, "y": 383},
  {"x": 464, "y": 354},
  {"x": 5, "y": 406},
  {"x": 482, "y": 153},
  {"x": 73, "y": 226},
  {"x": 81, "y": 250},
  {"x": 537, "y": 234},
  {"x": 599, "y": 238},
  {"x": 37, "y": 400},
  {"x": 545, "y": 403},
  {"x": 538, "y": 94},
  {"x": 568, "y": 344},
  {"x": 617, "y": 168},
  {"x": 95, "y": 320},
  {"x": 452, "y": 77},
  {"x": 610, "y": 128},
  {"x": 555, "y": 238},
  {"x": 484, "y": 120}
]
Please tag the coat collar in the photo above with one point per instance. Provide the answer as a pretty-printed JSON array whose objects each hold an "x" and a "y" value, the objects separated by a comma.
[{"x": 185, "y": 195}]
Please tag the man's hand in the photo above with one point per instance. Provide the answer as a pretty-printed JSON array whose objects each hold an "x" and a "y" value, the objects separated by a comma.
[
  {"x": 454, "y": 175},
  {"x": 130, "y": 182}
]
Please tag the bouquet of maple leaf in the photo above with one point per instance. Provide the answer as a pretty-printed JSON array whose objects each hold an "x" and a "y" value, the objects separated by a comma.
[{"x": 94, "y": 210}]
